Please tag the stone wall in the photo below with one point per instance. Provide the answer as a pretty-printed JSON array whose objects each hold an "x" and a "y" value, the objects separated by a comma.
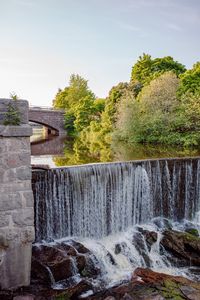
[{"x": 16, "y": 200}]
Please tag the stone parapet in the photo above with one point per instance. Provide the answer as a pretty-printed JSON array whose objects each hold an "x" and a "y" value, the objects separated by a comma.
[{"x": 16, "y": 200}]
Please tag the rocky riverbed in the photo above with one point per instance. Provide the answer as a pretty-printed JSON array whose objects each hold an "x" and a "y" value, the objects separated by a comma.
[{"x": 69, "y": 270}]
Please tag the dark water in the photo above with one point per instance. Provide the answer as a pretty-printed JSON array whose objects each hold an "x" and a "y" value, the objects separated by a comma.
[{"x": 62, "y": 151}]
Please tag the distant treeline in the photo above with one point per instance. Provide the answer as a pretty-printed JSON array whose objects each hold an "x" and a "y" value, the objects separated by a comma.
[{"x": 160, "y": 105}]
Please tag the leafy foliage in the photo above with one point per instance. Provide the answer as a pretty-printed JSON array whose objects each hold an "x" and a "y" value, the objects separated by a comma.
[
  {"x": 147, "y": 69},
  {"x": 79, "y": 103},
  {"x": 190, "y": 81},
  {"x": 12, "y": 116},
  {"x": 157, "y": 116},
  {"x": 161, "y": 104}
]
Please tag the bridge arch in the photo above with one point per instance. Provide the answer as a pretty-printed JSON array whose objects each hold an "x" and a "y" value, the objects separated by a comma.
[{"x": 52, "y": 119}]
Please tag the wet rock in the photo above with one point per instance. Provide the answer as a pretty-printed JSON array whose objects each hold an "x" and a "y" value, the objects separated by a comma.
[
  {"x": 110, "y": 257},
  {"x": 184, "y": 247},
  {"x": 91, "y": 268},
  {"x": 74, "y": 292},
  {"x": 189, "y": 292},
  {"x": 52, "y": 261},
  {"x": 127, "y": 297},
  {"x": 120, "y": 247},
  {"x": 40, "y": 272},
  {"x": 80, "y": 262},
  {"x": 192, "y": 231},
  {"x": 150, "y": 237},
  {"x": 146, "y": 284},
  {"x": 162, "y": 223},
  {"x": 140, "y": 245},
  {"x": 79, "y": 247},
  {"x": 68, "y": 249}
]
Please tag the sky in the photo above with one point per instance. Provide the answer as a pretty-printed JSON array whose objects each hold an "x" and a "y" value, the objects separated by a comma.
[{"x": 43, "y": 42}]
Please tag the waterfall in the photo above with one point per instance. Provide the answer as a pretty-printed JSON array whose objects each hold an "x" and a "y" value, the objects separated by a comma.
[{"x": 97, "y": 200}]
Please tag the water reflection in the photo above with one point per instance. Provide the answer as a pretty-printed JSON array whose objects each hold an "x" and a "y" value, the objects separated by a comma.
[{"x": 62, "y": 151}]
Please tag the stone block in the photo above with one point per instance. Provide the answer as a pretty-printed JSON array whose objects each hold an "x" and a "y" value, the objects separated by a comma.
[
  {"x": 15, "y": 187},
  {"x": 9, "y": 176},
  {"x": 25, "y": 158},
  {"x": 15, "y": 131},
  {"x": 23, "y": 173},
  {"x": 12, "y": 235},
  {"x": 10, "y": 201},
  {"x": 4, "y": 219},
  {"x": 18, "y": 144},
  {"x": 28, "y": 234},
  {"x": 3, "y": 242},
  {"x": 15, "y": 267},
  {"x": 23, "y": 217},
  {"x": 3, "y": 145},
  {"x": 28, "y": 198}
]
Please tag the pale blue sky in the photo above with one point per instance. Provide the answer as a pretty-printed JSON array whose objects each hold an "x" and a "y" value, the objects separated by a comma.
[{"x": 42, "y": 42}]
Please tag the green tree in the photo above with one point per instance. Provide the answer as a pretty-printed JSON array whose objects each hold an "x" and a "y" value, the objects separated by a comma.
[
  {"x": 12, "y": 116},
  {"x": 78, "y": 102},
  {"x": 190, "y": 81},
  {"x": 147, "y": 69},
  {"x": 149, "y": 118}
]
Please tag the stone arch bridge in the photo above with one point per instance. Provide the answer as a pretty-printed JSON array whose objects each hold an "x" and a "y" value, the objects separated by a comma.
[{"x": 52, "y": 119}]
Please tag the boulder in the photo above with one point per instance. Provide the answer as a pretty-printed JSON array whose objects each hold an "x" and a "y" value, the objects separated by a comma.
[{"x": 184, "y": 247}]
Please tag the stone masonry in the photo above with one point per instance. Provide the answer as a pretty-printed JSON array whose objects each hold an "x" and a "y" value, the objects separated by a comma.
[
  {"x": 16, "y": 200},
  {"x": 53, "y": 119}
]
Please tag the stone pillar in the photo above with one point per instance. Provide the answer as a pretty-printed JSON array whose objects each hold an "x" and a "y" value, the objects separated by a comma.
[{"x": 16, "y": 199}]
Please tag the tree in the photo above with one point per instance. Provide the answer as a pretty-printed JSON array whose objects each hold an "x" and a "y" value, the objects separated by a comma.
[
  {"x": 149, "y": 118},
  {"x": 12, "y": 116},
  {"x": 190, "y": 81},
  {"x": 147, "y": 69},
  {"x": 78, "y": 102}
]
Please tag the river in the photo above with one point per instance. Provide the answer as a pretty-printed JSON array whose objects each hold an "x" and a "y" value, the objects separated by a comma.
[{"x": 57, "y": 151}]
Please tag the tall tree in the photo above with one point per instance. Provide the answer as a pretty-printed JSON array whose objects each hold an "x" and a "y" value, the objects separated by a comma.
[
  {"x": 190, "y": 81},
  {"x": 147, "y": 69}
]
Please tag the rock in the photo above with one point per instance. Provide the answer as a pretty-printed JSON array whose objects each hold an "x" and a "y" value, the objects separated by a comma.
[
  {"x": 162, "y": 223},
  {"x": 183, "y": 246},
  {"x": 79, "y": 247},
  {"x": 80, "y": 262},
  {"x": 189, "y": 292},
  {"x": 74, "y": 292},
  {"x": 119, "y": 248},
  {"x": 49, "y": 259},
  {"x": 139, "y": 243},
  {"x": 127, "y": 297},
  {"x": 192, "y": 231},
  {"x": 91, "y": 268},
  {"x": 150, "y": 237},
  {"x": 68, "y": 249},
  {"x": 56, "y": 262},
  {"x": 40, "y": 272}
]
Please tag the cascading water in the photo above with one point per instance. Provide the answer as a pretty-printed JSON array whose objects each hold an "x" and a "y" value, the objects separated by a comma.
[
  {"x": 98, "y": 200},
  {"x": 101, "y": 206}
]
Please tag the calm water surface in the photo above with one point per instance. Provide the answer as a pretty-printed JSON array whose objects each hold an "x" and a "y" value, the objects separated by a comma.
[{"x": 62, "y": 151}]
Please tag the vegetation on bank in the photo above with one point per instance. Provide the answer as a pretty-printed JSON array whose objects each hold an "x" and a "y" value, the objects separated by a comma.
[{"x": 160, "y": 105}]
